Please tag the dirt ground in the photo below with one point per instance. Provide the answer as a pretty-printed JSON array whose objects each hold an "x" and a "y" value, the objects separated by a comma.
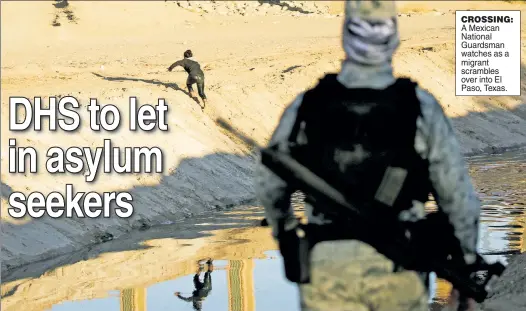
[
  {"x": 510, "y": 292},
  {"x": 257, "y": 58}
]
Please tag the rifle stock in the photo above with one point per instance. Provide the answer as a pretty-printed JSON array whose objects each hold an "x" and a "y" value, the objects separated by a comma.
[{"x": 408, "y": 246}]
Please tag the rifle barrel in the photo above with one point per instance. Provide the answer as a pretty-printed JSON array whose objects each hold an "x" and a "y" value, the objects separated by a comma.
[{"x": 294, "y": 172}]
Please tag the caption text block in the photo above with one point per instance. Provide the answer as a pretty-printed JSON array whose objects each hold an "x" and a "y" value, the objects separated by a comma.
[{"x": 488, "y": 52}]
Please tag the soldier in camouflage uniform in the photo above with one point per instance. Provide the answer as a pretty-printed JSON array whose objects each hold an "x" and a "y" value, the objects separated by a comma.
[{"x": 349, "y": 274}]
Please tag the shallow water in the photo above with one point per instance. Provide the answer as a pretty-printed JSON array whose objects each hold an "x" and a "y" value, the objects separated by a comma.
[
  {"x": 118, "y": 277},
  {"x": 236, "y": 285}
]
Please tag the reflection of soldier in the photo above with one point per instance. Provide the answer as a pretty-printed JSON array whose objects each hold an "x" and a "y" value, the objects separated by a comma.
[{"x": 202, "y": 289}]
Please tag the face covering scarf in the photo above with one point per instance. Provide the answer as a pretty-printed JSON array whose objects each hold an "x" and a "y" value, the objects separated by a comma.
[{"x": 370, "y": 42}]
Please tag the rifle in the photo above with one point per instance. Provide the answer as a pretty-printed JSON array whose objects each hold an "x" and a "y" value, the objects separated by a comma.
[{"x": 410, "y": 245}]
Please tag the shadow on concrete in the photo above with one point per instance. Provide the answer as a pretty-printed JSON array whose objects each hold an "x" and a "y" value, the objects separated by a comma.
[
  {"x": 203, "y": 176},
  {"x": 167, "y": 85},
  {"x": 212, "y": 175},
  {"x": 193, "y": 174},
  {"x": 5, "y": 190}
]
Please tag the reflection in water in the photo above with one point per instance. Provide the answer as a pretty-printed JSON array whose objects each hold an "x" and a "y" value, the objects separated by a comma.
[
  {"x": 241, "y": 286},
  {"x": 133, "y": 299},
  {"x": 252, "y": 281},
  {"x": 240, "y": 283},
  {"x": 501, "y": 184},
  {"x": 202, "y": 289}
]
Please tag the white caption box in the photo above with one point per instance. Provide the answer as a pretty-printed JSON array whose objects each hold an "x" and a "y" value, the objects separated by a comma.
[{"x": 488, "y": 53}]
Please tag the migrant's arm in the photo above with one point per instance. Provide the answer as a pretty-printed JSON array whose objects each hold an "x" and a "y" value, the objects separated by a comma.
[
  {"x": 274, "y": 193},
  {"x": 452, "y": 188},
  {"x": 191, "y": 298},
  {"x": 177, "y": 63}
]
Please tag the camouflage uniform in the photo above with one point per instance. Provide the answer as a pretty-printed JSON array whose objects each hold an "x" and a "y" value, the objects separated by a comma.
[{"x": 351, "y": 275}]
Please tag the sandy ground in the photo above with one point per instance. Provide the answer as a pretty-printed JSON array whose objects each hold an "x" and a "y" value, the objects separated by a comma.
[{"x": 256, "y": 59}]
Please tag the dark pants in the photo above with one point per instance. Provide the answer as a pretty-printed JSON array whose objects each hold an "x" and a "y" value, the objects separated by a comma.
[
  {"x": 200, "y": 81},
  {"x": 202, "y": 289}
]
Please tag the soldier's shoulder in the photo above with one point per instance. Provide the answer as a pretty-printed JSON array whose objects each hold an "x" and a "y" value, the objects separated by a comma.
[
  {"x": 429, "y": 104},
  {"x": 296, "y": 103},
  {"x": 287, "y": 120}
]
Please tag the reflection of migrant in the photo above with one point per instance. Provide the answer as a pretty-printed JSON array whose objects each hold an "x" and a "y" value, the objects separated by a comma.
[
  {"x": 55, "y": 205},
  {"x": 202, "y": 289}
]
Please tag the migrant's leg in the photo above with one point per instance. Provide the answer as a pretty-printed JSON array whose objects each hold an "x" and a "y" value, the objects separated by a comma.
[
  {"x": 197, "y": 283},
  {"x": 189, "y": 82},
  {"x": 201, "y": 89},
  {"x": 191, "y": 90},
  {"x": 210, "y": 265},
  {"x": 207, "y": 282},
  {"x": 353, "y": 276}
]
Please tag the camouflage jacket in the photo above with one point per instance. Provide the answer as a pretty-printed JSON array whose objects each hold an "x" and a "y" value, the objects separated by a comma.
[{"x": 435, "y": 141}]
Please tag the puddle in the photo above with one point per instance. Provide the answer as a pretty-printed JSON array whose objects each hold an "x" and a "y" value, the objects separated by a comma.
[
  {"x": 237, "y": 285},
  {"x": 144, "y": 270}
]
